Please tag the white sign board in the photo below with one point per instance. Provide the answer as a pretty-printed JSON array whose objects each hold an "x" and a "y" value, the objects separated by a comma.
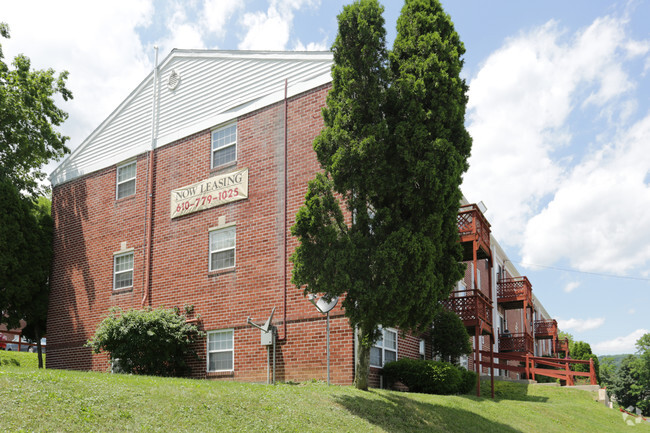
[{"x": 209, "y": 193}]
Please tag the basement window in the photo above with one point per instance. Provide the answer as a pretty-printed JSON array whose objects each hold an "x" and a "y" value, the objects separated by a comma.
[
  {"x": 221, "y": 351},
  {"x": 224, "y": 145},
  {"x": 385, "y": 349},
  {"x": 125, "y": 180}
]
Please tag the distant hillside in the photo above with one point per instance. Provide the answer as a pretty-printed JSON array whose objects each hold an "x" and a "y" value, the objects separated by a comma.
[{"x": 615, "y": 359}]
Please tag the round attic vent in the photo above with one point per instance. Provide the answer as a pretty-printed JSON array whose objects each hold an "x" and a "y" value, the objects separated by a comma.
[{"x": 174, "y": 80}]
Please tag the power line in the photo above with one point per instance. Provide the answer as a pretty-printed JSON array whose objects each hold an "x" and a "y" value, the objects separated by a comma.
[{"x": 623, "y": 277}]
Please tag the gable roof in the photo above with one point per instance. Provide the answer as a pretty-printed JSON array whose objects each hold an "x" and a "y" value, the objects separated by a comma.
[{"x": 213, "y": 87}]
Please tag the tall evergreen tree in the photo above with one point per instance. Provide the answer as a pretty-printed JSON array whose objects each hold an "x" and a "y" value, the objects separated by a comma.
[{"x": 393, "y": 151}]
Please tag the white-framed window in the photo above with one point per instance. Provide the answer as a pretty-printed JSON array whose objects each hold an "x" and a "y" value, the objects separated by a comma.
[
  {"x": 222, "y": 248},
  {"x": 125, "y": 180},
  {"x": 123, "y": 270},
  {"x": 422, "y": 349},
  {"x": 221, "y": 352},
  {"x": 224, "y": 145},
  {"x": 385, "y": 349}
]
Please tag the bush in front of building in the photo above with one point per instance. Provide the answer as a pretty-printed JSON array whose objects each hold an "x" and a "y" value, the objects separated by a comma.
[
  {"x": 155, "y": 342},
  {"x": 428, "y": 376}
]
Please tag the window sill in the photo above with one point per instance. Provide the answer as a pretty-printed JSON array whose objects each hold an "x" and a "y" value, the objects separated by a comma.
[
  {"x": 223, "y": 167},
  {"x": 222, "y": 271},
  {"x": 220, "y": 374},
  {"x": 122, "y": 290},
  {"x": 125, "y": 199}
]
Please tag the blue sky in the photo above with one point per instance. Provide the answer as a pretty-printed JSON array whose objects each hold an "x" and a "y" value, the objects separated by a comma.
[{"x": 559, "y": 110}]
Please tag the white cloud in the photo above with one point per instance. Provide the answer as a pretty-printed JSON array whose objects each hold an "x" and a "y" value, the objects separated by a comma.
[
  {"x": 526, "y": 160},
  {"x": 271, "y": 29},
  {"x": 570, "y": 287},
  {"x": 96, "y": 42},
  {"x": 580, "y": 325},
  {"x": 217, "y": 14},
  {"x": 598, "y": 218},
  {"x": 181, "y": 32},
  {"x": 619, "y": 345}
]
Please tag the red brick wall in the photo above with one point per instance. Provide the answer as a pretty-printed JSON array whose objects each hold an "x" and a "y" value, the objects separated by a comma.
[{"x": 90, "y": 226}]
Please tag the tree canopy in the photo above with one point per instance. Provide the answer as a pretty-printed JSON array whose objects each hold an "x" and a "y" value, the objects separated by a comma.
[
  {"x": 28, "y": 117},
  {"x": 28, "y": 141},
  {"x": 379, "y": 222}
]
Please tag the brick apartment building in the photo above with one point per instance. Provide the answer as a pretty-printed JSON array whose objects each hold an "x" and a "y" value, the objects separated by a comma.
[{"x": 184, "y": 197}]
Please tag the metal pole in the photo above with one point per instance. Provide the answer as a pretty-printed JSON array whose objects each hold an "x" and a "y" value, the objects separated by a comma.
[
  {"x": 273, "y": 335},
  {"x": 328, "y": 348}
]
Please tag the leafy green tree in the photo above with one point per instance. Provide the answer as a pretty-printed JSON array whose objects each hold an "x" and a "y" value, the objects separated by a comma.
[
  {"x": 449, "y": 336},
  {"x": 607, "y": 371},
  {"x": 626, "y": 386},
  {"x": 582, "y": 350},
  {"x": 25, "y": 261},
  {"x": 156, "y": 342},
  {"x": 393, "y": 151},
  {"x": 28, "y": 117},
  {"x": 28, "y": 141},
  {"x": 643, "y": 350}
]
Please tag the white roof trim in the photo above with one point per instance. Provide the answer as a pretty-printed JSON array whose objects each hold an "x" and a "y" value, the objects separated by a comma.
[{"x": 67, "y": 171}]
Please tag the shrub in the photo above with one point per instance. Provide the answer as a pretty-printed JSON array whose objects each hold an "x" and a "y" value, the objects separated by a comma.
[
  {"x": 155, "y": 342},
  {"x": 431, "y": 377},
  {"x": 449, "y": 336},
  {"x": 468, "y": 381}
]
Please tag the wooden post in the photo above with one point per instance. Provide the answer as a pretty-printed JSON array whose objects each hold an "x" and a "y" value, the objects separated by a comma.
[
  {"x": 592, "y": 372},
  {"x": 477, "y": 363}
]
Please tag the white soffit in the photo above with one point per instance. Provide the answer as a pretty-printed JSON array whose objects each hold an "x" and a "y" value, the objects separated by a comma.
[{"x": 212, "y": 87}]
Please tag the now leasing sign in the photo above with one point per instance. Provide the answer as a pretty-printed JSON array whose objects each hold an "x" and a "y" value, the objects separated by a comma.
[{"x": 209, "y": 193}]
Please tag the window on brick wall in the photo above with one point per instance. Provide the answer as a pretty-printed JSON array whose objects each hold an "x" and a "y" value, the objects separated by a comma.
[
  {"x": 224, "y": 145},
  {"x": 125, "y": 180},
  {"x": 385, "y": 349},
  {"x": 222, "y": 248},
  {"x": 422, "y": 349},
  {"x": 123, "y": 270},
  {"x": 221, "y": 351}
]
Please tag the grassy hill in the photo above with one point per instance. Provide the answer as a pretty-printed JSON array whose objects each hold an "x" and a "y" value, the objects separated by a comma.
[{"x": 63, "y": 401}]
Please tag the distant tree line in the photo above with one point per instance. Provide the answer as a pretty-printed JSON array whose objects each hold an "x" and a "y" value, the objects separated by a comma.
[{"x": 629, "y": 381}]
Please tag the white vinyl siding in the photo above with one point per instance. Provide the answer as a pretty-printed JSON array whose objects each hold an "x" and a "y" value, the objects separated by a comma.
[
  {"x": 222, "y": 248},
  {"x": 221, "y": 350},
  {"x": 224, "y": 145},
  {"x": 123, "y": 271},
  {"x": 385, "y": 349},
  {"x": 125, "y": 180}
]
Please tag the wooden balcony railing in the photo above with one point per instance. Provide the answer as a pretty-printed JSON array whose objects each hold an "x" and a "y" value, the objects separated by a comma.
[
  {"x": 472, "y": 226},
  {"x": 514, "y": 293},
  {"x": 521, "y": 342},
  {"x": 545, "y": 329},
  {"x": 473, "y": 307},
  {"x": 562, "y": 346}
]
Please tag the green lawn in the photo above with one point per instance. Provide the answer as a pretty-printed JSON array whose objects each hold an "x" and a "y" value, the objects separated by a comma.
[{"x": 62, "y": 401}]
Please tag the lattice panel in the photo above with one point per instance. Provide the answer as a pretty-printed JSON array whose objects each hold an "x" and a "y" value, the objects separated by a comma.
[
  {"x": 520, "y": 342},
  {"x": 545, "y": 327},
  {"x": 514, "y": 288}
]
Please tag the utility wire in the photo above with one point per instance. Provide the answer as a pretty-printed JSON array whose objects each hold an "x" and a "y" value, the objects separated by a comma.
[{"x": 623, "y": 277}]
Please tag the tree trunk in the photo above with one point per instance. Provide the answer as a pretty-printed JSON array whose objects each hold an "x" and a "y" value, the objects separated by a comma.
[
  {"x": 363, "y": 361},
  {"x": 39, "y": 349}
]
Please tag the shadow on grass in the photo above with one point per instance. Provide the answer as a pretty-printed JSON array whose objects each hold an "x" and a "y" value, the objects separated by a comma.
[
  {"x": 506, "y": 391},
  {"x": 396, "y": 413}
]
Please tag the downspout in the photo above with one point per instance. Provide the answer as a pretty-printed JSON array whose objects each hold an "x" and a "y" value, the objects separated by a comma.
[
  {"x": 286, "y": 207},
  {"x": 149, "y": 197}
]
